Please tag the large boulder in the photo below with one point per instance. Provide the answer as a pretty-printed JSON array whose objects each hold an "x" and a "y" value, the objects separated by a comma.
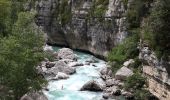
[
  {"x": 92, "y": 86},
  {"x": 34, "y": 96},
  {"x": 61, "y": 66},
  {"x": 106, "y": 73},
  {"x": 123, "y": 73},
  {"x": 66, "y": 53}
]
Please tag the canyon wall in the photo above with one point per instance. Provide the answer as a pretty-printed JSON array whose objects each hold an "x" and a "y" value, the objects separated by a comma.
[
  {"x": 157, "y": 73},
  {"x": 97, "y": 34}
]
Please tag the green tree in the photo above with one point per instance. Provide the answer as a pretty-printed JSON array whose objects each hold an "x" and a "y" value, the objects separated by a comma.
[
  {"x": 159, "y": 27},
  {"x": 19, "y": 54},
  {"x": 5, "y": 7}
]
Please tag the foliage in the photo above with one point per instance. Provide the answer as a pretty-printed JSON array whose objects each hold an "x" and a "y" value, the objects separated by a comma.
[
  {"x": 142, "y": 94},
  {"x": 135, "y": 13},
  {"x": 126, "y": 50},
  {"x": 135, "y": 82},
  {"x": 157, "y": 31},
  {"x": 4, "y": 17},
  {"x": 64, "y": 12},
  {"x": 99, "y": 8},
  {"x": 49, "y": 55},
  {"x": 19, "y": 54}
]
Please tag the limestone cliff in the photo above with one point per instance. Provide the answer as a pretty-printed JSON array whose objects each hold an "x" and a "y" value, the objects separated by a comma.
[
  {"x": 71, "y": 23},
  {"x": 157, "y": 73}
]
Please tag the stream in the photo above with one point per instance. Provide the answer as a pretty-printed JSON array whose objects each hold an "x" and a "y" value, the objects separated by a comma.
[{"x": 68, "y": 89}]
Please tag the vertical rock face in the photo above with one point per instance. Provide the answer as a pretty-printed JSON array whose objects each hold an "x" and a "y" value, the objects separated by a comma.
[
  {"x": 157, "y": 73},
  {"x": 95, "y": 34}
]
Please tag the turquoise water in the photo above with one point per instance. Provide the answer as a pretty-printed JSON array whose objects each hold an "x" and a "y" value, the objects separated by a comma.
[{"x": 69, "y": 89}]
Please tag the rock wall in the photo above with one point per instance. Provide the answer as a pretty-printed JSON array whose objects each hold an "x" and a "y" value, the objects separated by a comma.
[
  {"x": 157, "y": 73},
  {"x": 83, "y": 32}
]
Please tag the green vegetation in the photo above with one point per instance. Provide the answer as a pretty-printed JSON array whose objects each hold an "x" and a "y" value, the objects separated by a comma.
[
  {"x": 64, "y": 12},
  {"x": 4, "y": 17},
  {"x": 19, "y": 54},
  {"x": 126, "y": 50},
  {"x": 157, "y": 28},
  {"x": 21, "y": 51},
  {"x": 99, "y": 8},
  {"x": 134, "y": 82}
]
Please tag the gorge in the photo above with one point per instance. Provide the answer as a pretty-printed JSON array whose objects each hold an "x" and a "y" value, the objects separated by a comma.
[{"x": 84, "y": 50}]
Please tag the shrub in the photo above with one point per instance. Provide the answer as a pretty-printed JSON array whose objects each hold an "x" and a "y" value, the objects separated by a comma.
[
  {"x": 135, "y": 82},
  {"x": 142, "y": 94},
  {"x": 157, "y": 28}
]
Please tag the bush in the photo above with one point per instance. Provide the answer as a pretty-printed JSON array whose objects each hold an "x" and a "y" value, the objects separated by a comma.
[
  {"x": 157, "y": 28},
  {"x": 142, "y": 94},
  {"x": 135, "y": 82},
  {"x": 126, "y": 50},
  {"x": 19, "y": 54}
]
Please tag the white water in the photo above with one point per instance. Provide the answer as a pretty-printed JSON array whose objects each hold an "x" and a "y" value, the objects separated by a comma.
[{"x": 72, "y": 85}]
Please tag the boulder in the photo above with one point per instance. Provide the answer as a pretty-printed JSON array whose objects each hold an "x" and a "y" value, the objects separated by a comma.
[
  {"x": 61, "y": 66},
  {"x": 92, "y": 60},
  {"x": 92, "y": 86},
  {"x": 110, "y": 82},
  {"x": 123, "y": 73},
  {"x": 115, "y": 91},
  {"x": 48, "y": 48},
  {"x": 34, "y": 96},
  {"x": 106, "y": 95},
  {"x": 66, "y": 53},
  {"x": 106, "y": 73},
  {"x": 75, "y": 64},
  {"x": 128, "y": 95},
  {"x": 61, "y": 75},
  {"x": 50, "y": 64},
  {"x": 127, "y": 63}
]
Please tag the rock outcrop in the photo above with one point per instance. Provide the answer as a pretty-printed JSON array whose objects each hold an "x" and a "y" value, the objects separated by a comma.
[
  {"x": 157, "y": 73},
  {"x": 81, "y": 30}
]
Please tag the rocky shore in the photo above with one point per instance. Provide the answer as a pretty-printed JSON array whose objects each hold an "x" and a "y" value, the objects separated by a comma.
[{"x": 65, "y": 64}]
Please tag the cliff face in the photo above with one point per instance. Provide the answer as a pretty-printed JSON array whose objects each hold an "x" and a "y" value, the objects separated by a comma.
[
  {"x": 97, "y": 34},
  {"x": 157, "y": 73}
]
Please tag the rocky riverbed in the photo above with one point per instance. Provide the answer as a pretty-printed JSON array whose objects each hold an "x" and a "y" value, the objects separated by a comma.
[{"x": 79, "y": 76}]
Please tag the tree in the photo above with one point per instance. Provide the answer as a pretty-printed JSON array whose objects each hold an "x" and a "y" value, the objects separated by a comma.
[
  {"x": 5, "y": 7},
  {"x": 20, "y": 53},
  {"x": 159, "y": 27}
]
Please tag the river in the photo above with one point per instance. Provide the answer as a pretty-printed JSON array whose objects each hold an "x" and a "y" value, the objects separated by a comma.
[{"x": 68, "y": 89}]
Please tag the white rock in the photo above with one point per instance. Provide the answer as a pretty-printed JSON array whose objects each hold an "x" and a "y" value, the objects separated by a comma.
[
  {"x": 123, "y": 73},
  {"x": 75, "y": 64},
  {"x": 61, "y": 75},
  {"x": 127, "y": 63},
  {"x": 48, "y": 48},
  {"x": 66, "y": 53}
]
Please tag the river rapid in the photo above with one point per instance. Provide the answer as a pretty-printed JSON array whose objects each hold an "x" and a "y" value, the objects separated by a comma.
[{"x": 68, "y": 89}]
